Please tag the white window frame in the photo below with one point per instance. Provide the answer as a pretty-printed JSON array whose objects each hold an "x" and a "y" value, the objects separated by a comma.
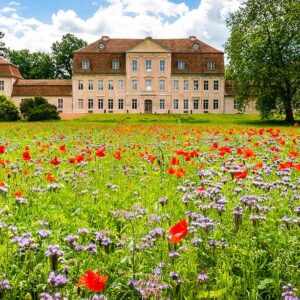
[
  {"x": 90, "y": 103},
  {"x": 60, "y": 103},
  {"x": 216, "y": 85},
  {"x": 205, "y": 104},
  {"x": 205, "y": 85},
  {"x": 80, "y": 103},
  {"x": 181, "y": 65},
  {"x": 162, "y": 85},
  {"x": 121, "y": 104},
  {"x": 80, "y": 84},
  {"x": 175, "y": 104},
  {"x": 1, "y": 85},
  {"x": 162, "y": 65},
  {"x": 134, "y": 84},
  {"x": 216, "y": 104},
  {"x": 148, "y": 65},
  {"x": 211, "y": 65},
  {"x": 162, "y": 104},
  {"x": 110, "y": 103},
  {"x": 100, "y": 85},
  {"x": 115, "y": 64},
  {"x": 100, "y": 104},
  {"x": 175, "y": 85},
  {"x": 196, "y": 104},
  {"x": 85, "y": 64},
  {"x": 148, "y": 85},
  {"x": 110, "y": 85},
  {"x": 134, "y": 103},
  {"x": 186, "y": 85},
  {"x": 185, "y": 103},
  {"x": 121, "y": 84},
  {"x": 196, "y": 85},
  {"x": 134, "y": 65},
  {"x": 90, "y": 85}
]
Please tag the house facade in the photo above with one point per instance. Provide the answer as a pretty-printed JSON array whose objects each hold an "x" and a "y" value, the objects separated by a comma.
[{"x": 134, "y": 76}]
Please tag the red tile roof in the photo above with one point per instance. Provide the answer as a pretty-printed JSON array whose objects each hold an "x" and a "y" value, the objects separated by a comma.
[
  {"x": 8, "y": 70},
  {"x": 173, "y": 45},
  {"x": 37, "y": 87}
]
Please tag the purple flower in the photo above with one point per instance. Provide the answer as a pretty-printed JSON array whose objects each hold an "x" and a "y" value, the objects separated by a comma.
[
  {"x": 57, "y": 280},
  {"x": 202, "y": 277},
  {"x": 54, "y": 250},
  {"x": 4, "y": 286},
  {"x": 43, "y": 233}
]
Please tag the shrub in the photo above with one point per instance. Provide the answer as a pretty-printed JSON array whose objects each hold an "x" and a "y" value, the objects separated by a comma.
[
  {"x": 8, "y": 110},
  {"x": 38, "y": 109}
]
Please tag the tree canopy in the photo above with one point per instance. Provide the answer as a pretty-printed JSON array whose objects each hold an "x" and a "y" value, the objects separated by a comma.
[
  {"x": 264, "y": 55},
  {"x": 2, "y": 44},
  {"x": 63, "y": 54},
  {"x": 8, "y": 110}
]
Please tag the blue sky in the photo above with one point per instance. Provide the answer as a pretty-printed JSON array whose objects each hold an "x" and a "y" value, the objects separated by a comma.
[{"x": 36, "y": 24}]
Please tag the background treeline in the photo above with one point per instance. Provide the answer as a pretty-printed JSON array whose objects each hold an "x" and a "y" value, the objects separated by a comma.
[{"x": 43, "y": 65}]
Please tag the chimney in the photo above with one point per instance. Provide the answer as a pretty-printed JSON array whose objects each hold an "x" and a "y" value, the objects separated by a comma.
[
  {"x": 192, "y": 38},
  {"x": 105, "y": 37}
]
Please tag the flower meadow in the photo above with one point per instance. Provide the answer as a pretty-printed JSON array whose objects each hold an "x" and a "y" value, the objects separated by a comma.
[{"x": 129, "y": 211}]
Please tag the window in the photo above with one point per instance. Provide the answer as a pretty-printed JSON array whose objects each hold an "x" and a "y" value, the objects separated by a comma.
[
  {"x": 121, "y": 104},
  {"x": 181, "y": 65},
  {"x": 91, "y": 85},
  {"x": 134, "y": 65},
  {"x": 115, "y": 65},
  {"x": 134, "y": 104},
  {"x": 80, "y": 84},
  {"x": 85, "y": 64},
  {"x": 235, "y": 104},
  {"x": 1, "y": 85},
  {"x": 148, "y": 85},
  {"x": 175, "y": 104},
  {"x": 161, "y": 85},
  {"x": 134, "y": 85},
  {"x": 205, "y": 104},
  {"x": 90, "y": 104},
  {"x": 185, "y": 104},
  {"x": 196, "y": 103},
  {"x": 186, "y": 85},
  {"x": 80, "y": 103},
  {"x": 110, "y": 104},
  {"x": 211, "y": 65},
  {"x": 196, "y": 85},
  {"x": 162, "y": 104},
  {"x": 216, "y": 104},
  {"x": 205, "y": 85},
  {"x": 148, "y": 65},
  {"x": 100, "y": 85},
  {"x": 121, "y": 85},
  {"x": 216, "y": 85},
  {"x": 60, "y": 103},
  {"x": 101, "y": 46},
  {"x": 162, "y": 66},
  {"x": 100, "y": 103},
  {"x": 110, "y": 85},
  {"x": 176, "y": 85},
  {"x": 196, "y": 46}
]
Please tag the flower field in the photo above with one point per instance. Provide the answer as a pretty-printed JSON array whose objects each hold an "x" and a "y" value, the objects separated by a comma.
[{"x": 141, "y": 211}]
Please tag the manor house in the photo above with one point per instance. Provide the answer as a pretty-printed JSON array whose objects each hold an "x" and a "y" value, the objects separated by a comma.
[{"x": 134, "y": 76}]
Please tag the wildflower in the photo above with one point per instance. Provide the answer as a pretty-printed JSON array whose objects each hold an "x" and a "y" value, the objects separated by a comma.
[
  {"x": 26, "y": 155},
  {"x": 240, "y": 174},
  {"x": 57, "y": 280},
  {"x": 93, "y": 281},
  {"x": 43, "y": 233},
  {"x": 202, "y": 277},
  {"x": 2, "y": 149},
  {"x": 54, "y": 161},
  {"x": 54, "y": 252},
  {"x": 178, "y": 231}
]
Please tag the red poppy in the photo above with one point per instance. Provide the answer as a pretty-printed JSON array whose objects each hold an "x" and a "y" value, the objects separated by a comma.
[
  {"x": 93, "y": 281},
  {"x": 55, "y": 161},
  {"x": 171, "y": 171},
  {"x": 240, "y": 174},
  {"x": 178, "y": 231},
  {"x": 72, "y": 160},
  {"x": 180, "y": 172},
  {"x": 100, "y": 152},
  {"x": 175, "y": 161},
  {"x": 79, "y": 158},
  {"x": 248, "y": 153},
  {"x": 63, "y": 149},
  {"x": 2, "y": 149},
  {"x": 118, "y": 155},
  {"x": 18, "y": 193},
  {"x": 26, "y": 155}
]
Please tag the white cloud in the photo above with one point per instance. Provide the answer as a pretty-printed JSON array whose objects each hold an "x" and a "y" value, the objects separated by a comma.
[
  {"x": 14, "y": 3},
  {"x": 7, "y": 10},
  {"x": 123, "y": 18}
]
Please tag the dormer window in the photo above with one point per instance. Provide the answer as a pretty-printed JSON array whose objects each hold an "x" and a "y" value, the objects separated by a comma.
[
  {"x": 85, "y": 64},
  {"x": 181, "y": 65},
  {"x": 115, "y": 65},
  {"x": 196, "y": 46},
  {"x": 101, "y": 45},
  {"x": 211, "y": 65}
]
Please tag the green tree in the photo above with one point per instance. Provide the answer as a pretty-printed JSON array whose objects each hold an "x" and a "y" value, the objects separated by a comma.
[
  {"x": 2, "y": 45},
  {"x": 264, "y": 55},
  {"x": 63, "y": 54},
  {"x": 8, "y": 110},
  {"x": 38, "y": 109},
  {"x": 36, "y": 65}
]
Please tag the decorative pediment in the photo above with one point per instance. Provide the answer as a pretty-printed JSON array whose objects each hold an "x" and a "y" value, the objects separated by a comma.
[{"x": 148, "y": 45}]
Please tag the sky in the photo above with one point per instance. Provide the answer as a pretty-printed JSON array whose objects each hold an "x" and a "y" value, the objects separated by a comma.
[{"x": 36, "y": 24}]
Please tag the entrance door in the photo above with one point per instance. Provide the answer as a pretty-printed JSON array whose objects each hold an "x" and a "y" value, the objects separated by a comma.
[{"x": 148, "y": 106}]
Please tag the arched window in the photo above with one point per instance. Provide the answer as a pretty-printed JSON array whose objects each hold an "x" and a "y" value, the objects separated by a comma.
[
  {"x": 115, "y": 65},
  {"x": 101, "y": 45},
  {"x": 85, "y": 64},
  {"x": 211, "y": 65}
]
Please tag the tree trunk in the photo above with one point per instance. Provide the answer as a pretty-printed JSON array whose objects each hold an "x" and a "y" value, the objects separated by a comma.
[{"x": 287, "y": 101}]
